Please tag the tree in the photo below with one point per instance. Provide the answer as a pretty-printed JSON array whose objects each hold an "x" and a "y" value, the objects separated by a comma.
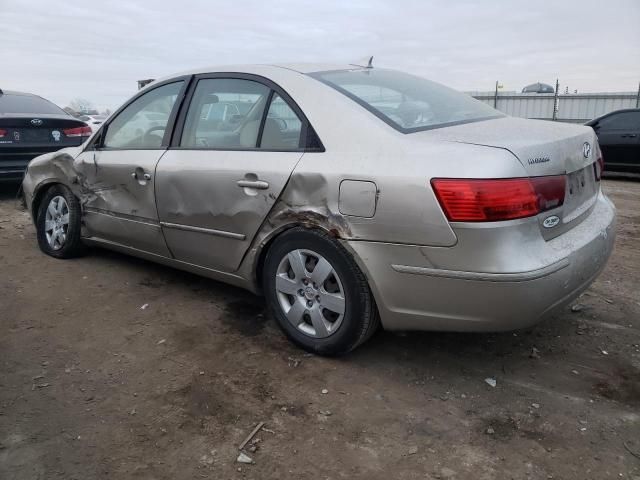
[{"x": 81, "y": 105}]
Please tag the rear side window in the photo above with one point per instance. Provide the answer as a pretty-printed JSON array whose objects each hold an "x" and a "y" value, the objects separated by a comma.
[
  {"x": 10, "y": 103},
  {"x": 406, "y": 102},
  {"x": 621, "y": 121},
  {"x": 282, "y": 128},
  {"x": 225, "y": 113}
]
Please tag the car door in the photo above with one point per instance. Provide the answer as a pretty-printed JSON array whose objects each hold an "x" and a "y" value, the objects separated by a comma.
[
  {"x": 223, "y": 173},
  {"x": 118, "y": 171},
  {"x": 619, "y": 139}
]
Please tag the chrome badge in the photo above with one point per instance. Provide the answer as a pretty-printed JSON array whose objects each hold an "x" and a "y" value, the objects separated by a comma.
[
  {"x": 586, "y": 149},
  {"x": 551, "y": 221},
  {"x": 36, "y": 122}
]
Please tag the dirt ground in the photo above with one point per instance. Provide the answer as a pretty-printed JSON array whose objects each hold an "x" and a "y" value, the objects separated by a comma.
[{"x": 95, "y": 385}]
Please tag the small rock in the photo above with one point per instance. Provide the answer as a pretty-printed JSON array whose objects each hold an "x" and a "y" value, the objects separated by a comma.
[
  {"x": 144, "y": 307},
  {"x": 535, "y": 405},
  {"x": 604, "y": 352},
  {"x": 201, "y": 372},
  {"x": 490, "y": 431},
  {"x": 575, "y": 372},
  {"x": 577, "y": 308},
  {"x": 324, "y": 391},
  {"x": 133, "y": 412},
  {"x": 413, "y": 450},
  {"x": 535, "y": 353},
  {"x": 326, "y": 413},
  {"x": 162, "y": 341},
  {"x": 490, "y": 381},
  {"x": 244, "y": 458}
]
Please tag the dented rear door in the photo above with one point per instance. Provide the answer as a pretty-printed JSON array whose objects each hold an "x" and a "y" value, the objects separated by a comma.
[{"x": 211, "y": 203}]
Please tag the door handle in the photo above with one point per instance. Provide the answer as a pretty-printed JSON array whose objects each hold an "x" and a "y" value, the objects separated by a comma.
[
  {"x": 146, "y": 176},
  {"x": 258, "y": 184}
]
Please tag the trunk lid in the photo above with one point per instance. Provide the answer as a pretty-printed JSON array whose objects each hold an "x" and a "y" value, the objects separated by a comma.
[
  {"x": 30, "y": 130},
  {"x": 542, "y": 148}
]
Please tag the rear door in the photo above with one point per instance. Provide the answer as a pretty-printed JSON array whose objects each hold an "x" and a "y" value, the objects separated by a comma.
[
  {"x": 227, "y": 166},
  {"x": 119, "y": 170},
  {"x": 619, "y": 138}
]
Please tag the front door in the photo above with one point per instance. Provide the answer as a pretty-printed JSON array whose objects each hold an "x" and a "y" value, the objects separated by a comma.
[
  {"x": 619, "y": 136},
  {"x": 119, "y": 172},
  {"x": 216, "y": 186}
]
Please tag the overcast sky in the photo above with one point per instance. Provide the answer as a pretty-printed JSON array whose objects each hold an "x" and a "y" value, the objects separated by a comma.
[{"x": 98, "y": 49}]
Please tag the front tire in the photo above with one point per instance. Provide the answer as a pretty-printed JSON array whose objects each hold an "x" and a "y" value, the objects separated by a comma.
[
  {"x": 317, "y": 293},
  {"x": 58, "y": 223}
]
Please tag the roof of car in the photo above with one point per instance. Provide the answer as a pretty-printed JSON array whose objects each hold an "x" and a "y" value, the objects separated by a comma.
[
  {"x": 265, "y": 67},
  {"x": 13, "y": 92}
]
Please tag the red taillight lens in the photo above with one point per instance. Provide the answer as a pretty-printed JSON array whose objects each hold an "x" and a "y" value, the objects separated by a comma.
[
  {"x": 3, "y": 132},
  {"x": 598, "y": 167},
  {"x": 78, "y": 131},
  {"x": 480, "y": 200}
]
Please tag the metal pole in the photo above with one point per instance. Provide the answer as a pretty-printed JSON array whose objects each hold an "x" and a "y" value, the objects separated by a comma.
[
  {"x": 555, "y": 101},
  {"x": 638, "y": 97},
  {"x": 495, "y": 97}
]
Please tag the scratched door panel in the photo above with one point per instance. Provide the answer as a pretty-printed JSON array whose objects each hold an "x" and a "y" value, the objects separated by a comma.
[{"x": 120, "y": 201}]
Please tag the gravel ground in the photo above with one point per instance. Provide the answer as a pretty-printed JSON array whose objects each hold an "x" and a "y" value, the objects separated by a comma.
[{"x": 93, "y": 384}]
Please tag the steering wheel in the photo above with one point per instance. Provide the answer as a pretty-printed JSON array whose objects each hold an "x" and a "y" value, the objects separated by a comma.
[{"x": 157, "y": 128}]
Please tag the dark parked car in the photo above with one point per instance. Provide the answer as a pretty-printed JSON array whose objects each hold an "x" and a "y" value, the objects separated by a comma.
[
  {"x": 31, "y": 126},
  {"x": 619, "y": 137}
]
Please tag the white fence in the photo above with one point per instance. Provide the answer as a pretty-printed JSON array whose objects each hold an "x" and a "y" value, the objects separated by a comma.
[{"x": 572, "y": 107}]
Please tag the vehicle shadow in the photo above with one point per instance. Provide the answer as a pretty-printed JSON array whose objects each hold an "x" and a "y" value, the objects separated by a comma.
[
  {"x": 10, "y": 190},
  {"x": 415, "y": 353}
]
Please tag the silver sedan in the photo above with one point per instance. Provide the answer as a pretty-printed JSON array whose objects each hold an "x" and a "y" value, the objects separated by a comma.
[{"x": 348, "y": 196}]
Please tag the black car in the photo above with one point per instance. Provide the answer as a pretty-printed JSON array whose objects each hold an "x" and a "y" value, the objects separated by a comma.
[
  {"x": 619, "y": 137},
  {"x": 31, "y": 126}
]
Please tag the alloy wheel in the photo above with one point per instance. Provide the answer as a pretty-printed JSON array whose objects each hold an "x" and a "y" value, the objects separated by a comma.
[
  {"x": 310, "y": 293},
  {"x": 56, "y": 222}
]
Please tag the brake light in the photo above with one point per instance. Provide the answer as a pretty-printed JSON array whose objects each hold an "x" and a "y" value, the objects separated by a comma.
[
  {"x": 78, "y": 131},
  {"x": 598, "y": 165},
  {"x": 3, "y": 132},
  {"x": 492, "y": 200}
]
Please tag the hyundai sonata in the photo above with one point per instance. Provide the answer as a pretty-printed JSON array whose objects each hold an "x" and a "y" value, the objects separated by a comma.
[{"x": 349, "y": 196}]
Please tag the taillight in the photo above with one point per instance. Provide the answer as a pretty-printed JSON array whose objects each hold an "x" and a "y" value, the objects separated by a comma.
[
  {"x": 598, "y": 166},
  {"x": 78, "y": 131},
  {"x": 3, "y": 132},
  {"x": 492, "y": 200}
]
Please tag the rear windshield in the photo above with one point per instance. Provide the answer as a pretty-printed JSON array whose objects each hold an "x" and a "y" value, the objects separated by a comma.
[
  {"x": 10, "y": 103},
  {"x": 407, "y": 103}
]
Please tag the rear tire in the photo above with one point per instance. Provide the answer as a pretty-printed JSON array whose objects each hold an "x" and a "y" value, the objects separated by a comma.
[
  {"x": 58, "y": 223},
  {"x": 317, "y": 293}
]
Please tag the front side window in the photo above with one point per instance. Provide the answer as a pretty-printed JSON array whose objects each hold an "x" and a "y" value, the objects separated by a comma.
[
  {"x": 406, "y": 102},
  {"x": 143, "y": 123},
  {"x": 225, "y": 113}
]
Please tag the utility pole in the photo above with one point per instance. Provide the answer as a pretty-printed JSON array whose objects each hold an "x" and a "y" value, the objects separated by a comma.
[
  {"x": 495, "y": 97},
  {"x": 638, "y": 97},
  {"x": 556, "y": 101}
]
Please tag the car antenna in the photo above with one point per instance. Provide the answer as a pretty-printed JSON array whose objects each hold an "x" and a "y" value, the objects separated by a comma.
[{"x": 366, "y": 62}]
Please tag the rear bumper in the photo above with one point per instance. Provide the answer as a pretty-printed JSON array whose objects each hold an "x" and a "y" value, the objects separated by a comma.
[
  {"x": 14, "y": 160},
  {"x": 414, "y": 294}
]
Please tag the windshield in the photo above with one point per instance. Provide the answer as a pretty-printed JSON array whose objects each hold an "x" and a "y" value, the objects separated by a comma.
[{"x": 406, "y": 102}]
